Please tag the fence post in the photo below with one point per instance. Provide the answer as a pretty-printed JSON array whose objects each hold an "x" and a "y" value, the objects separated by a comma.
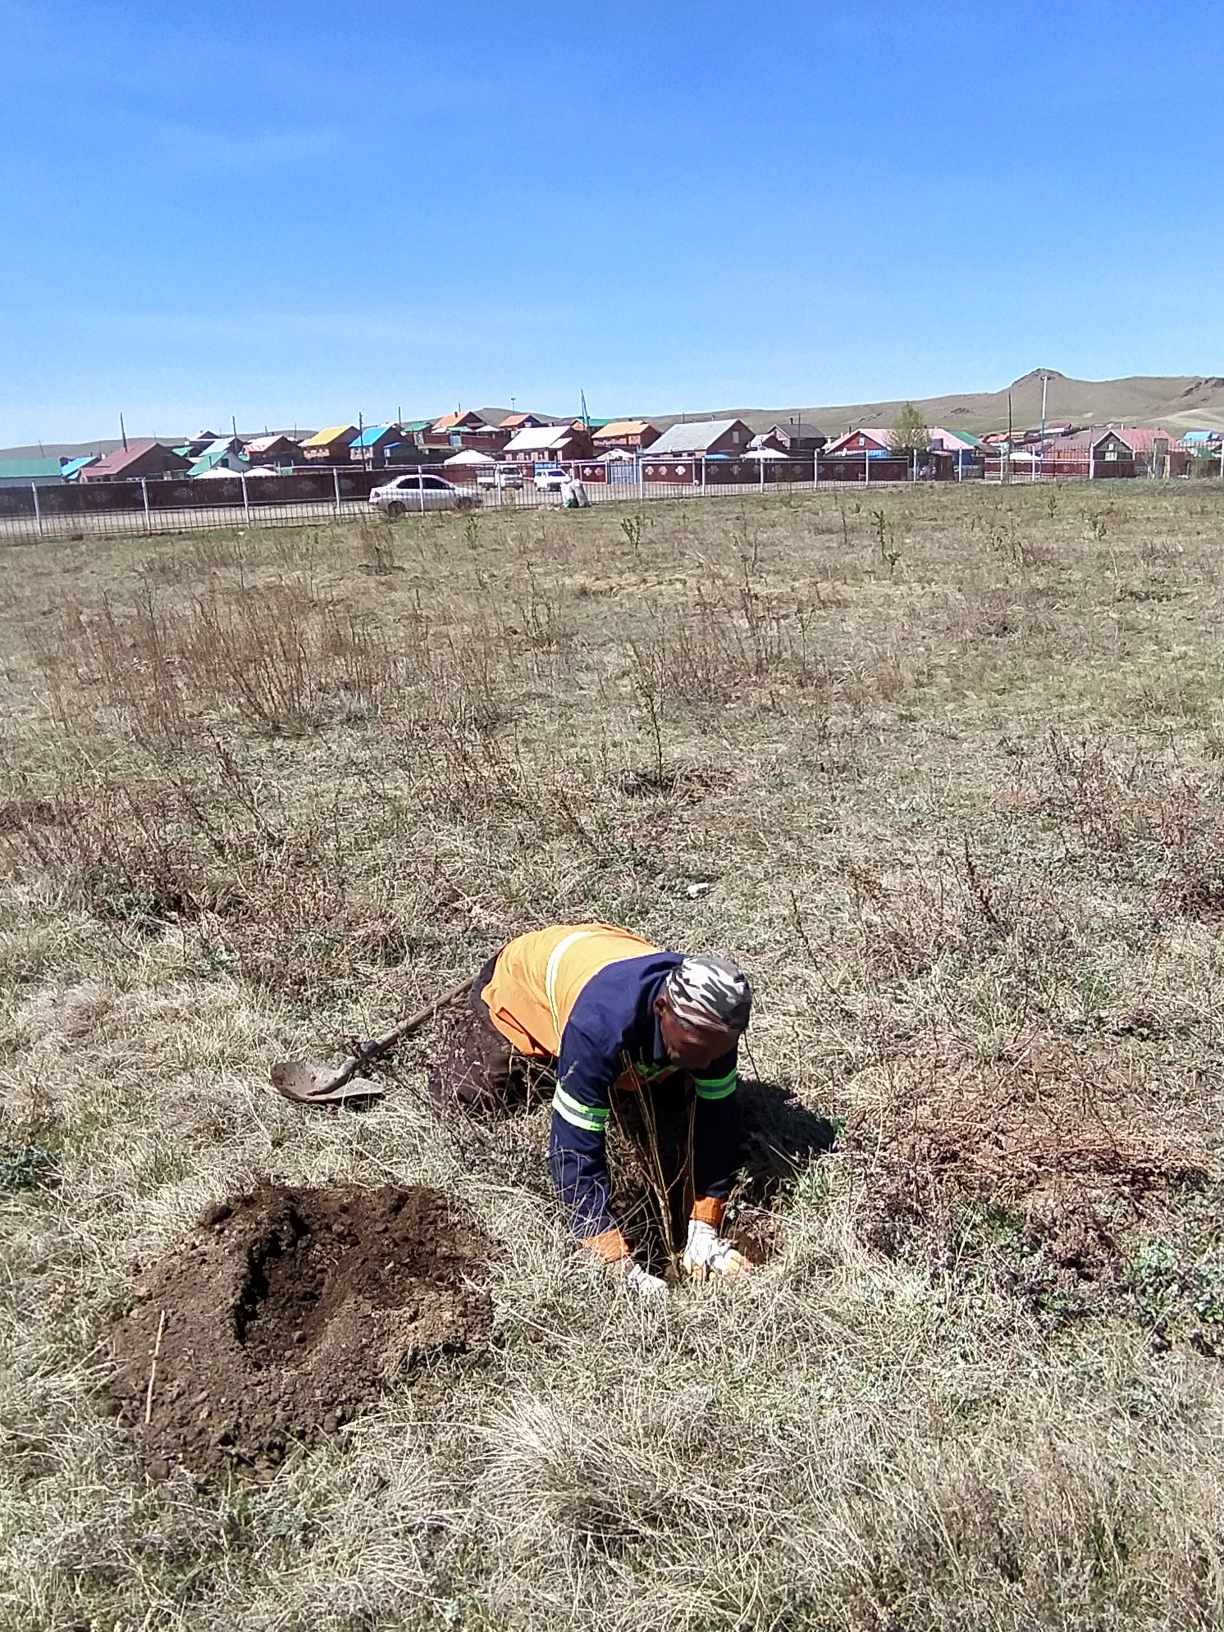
[
  {"x": 761, "y": 474},
  {"x": 914, "y": 467},
  {"x": 866, "y": 468},
  {"x": 37, "y": 508},
  {"x": 960, "y": 464},
  {"x": 815, "y": 467},
  {"x": 246, "y": 503},
  {"x": 703, "y": 473},
  {"x": 336, "y": 487},
  {"x": 1091, "y": 465},
  {"x": 144, "y": 493},
  {"x": 1222, "y": 461}
]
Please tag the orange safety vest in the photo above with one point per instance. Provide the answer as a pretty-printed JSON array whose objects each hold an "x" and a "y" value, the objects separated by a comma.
[{"x": 537, "y": 980}]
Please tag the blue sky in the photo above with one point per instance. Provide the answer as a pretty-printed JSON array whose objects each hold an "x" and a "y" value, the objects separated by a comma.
[{"x": 293, "y": 214}]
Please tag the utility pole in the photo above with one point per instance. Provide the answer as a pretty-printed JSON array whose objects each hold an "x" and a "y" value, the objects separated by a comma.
[
  {"x": 123, "y": 433},
  {"x": 1045, "y": 380}
]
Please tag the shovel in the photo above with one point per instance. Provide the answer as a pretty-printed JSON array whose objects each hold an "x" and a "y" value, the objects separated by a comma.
[{"x": 311, "y": 1082}]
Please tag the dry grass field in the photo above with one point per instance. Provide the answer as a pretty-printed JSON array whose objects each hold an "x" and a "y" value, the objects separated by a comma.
[{"x": 942, "y": 769}]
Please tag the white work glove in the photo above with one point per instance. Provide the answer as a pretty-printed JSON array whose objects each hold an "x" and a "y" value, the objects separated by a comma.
[
  {"x": 643, "y": 1284},
  {"x": 709, "y": 1253}
]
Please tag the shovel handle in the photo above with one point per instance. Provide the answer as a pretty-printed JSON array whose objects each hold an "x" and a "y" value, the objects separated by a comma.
[{"x": 404, "y": 1028}]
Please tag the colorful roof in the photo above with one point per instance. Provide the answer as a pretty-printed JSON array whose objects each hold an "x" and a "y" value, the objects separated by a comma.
[
  {"x": 332, "y": 433},
  {"x": 72, "y": 467},
  {"x": 115, "y": 463},
  {"x": 208, "y": 462},
  {"x": 613, "y": 428},
  {"x": 413, "y": 426},
  {"x": 879, "y": 434},
  {"x": 448, "y": 422},
  {"x": 28, "y": 470},
  {"x": 372, "y": 435},
  {"x": 952, "y": 441}
]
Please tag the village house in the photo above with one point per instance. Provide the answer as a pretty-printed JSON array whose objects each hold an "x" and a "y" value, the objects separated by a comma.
[
  {"x": 371, "y": 448},
  {"x": 629, "y": 435},
  {"x": 703, "y": 437},
  {"x": 275, "y": 448},
  {"x": 458, "y": 431},
  {"x": 329, "y": 446},
  {"x": 795, "y": 439},
  {"x": 223, "y": 453},
  {"x": 1117, "y": 451},
  {"x": 520, "y": 422},
  {"x": 873, "y": 439},
  {"x": 701, "y": 450},
  {"x": 31, "y": 472},
  {"x": 548, "y": 444},
  {"x": 145, "y": 459}
]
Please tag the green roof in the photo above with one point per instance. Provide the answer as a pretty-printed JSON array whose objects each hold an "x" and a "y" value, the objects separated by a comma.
[
  {"x": 416, "y": 424},
  {"x": 210, "y": 461},
  {"x": 16, "y": 470}
]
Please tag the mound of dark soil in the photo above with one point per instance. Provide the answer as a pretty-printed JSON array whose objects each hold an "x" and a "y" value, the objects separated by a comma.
[{"x": 286, "y": 1312}]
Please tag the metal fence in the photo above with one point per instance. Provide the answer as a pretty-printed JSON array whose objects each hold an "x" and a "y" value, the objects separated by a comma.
[{"x": 312, "y": 497}]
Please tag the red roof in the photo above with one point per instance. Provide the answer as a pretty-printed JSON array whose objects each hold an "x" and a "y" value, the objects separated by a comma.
[
  {"x": 1138, "y": 438},
  {"x": 114, "y": 464},
  {"x": 877, "y": 434}
]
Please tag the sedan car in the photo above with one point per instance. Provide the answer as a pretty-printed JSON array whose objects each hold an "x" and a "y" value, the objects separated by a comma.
[
  {"x": 550, "y": 478},
  {"x": 421, "y": 492}
]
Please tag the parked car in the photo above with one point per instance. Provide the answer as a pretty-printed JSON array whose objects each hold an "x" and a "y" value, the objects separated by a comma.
[
  {"x": 549, "y": 478},
  {"x": 421, "y": 492},
  {"x": 503, "y": 476}
]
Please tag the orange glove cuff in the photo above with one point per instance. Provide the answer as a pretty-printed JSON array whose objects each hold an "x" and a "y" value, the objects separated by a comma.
[
  {"x": 708, "y": 1210},
  {"x": 609, "y": 1248}
]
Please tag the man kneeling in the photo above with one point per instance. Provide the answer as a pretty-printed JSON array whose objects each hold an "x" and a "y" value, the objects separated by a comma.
[{"x": 607, "y": 1011}]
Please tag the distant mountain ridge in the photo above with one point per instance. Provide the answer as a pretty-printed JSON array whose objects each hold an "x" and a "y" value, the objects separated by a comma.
[{"x": 1180, "y": 402}]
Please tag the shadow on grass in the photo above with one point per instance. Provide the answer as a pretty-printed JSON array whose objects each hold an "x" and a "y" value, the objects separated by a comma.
[{"x": 780, "y": 1137}]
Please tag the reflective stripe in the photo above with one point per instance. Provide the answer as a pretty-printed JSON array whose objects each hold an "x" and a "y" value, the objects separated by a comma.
[
  {"x": 550, "y": 973},
  {"x": 716, "y": 1087},
  {"x": 579, "y": 1116},
  {"x": 600, "y": 1112}
]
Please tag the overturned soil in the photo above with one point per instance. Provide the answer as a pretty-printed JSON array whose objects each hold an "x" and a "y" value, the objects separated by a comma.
[{"x": 287, "y": 1311}]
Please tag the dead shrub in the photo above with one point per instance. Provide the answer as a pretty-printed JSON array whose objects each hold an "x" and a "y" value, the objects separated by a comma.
[
  {"x": 1047, "y": 1144},
  {"x": 275, "y": 657}
]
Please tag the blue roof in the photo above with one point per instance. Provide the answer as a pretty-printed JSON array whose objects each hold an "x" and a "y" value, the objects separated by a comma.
[
  {"x": 371, "y": 435},
  {"x": 71, "y": 466},
  {"x": 1197, "y": 436}
]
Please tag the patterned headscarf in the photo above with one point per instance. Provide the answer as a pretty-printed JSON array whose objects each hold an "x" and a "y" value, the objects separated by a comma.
[{"x": 710, "y": 992}]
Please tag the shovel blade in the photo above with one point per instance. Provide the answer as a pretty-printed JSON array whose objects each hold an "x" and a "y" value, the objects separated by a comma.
[{"x": 307, "y": 1082}]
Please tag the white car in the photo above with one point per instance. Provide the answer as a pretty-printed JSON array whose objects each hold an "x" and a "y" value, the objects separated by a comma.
[
  {"x": 420, "y": 492},
  {"x": 550, "y": 479},
  {"x": 503, "y": 476}
]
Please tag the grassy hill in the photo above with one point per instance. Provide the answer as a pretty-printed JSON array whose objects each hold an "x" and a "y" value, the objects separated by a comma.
[{"x": 1184, "y": 401}]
